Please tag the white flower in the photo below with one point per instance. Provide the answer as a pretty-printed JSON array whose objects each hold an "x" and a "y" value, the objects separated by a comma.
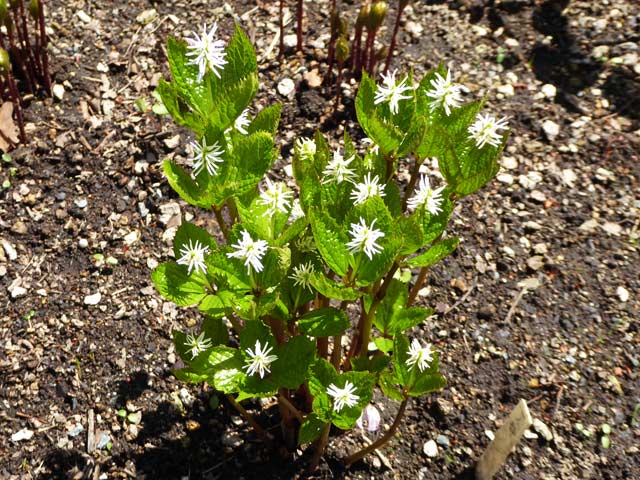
[
  {"x": 371, "y": 145},
  {"x": 206, "y": 156},
  {"x": 445, "y": 93},
  {"x": 392, "y": 92},
  {"x": 296, "y": 210},
  {"x": 242, "y": 121},
  {"x": 419, "y": 355},
  {"x": 367, "y": 189},
  {"x": 485, "y": 130},
  {"x": 337, "y": 169},
  {"x": 276, "y": 197},
  {"x": 205, "y": 51},
  {"x": 306, "y": 148},
  {"x": 250, "y": 251},
  {"x": 364, "y": 238},
  {"x": 193, "y": 257},
  {"x": 306, "y": 244},
  {"x": 301, "y": 275},
  {"x": 343, "y": 396},
  {"x": 259, "y": 360},
  {"x": 425, "y": 195},
  {"x": 197, "y": 345}
]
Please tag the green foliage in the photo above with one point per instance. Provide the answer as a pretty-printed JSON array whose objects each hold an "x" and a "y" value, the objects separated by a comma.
[{"x": 289, "y": 282}]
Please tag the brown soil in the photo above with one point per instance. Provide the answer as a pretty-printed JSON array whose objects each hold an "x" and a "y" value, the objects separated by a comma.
[{"x": 563, "y": 216}]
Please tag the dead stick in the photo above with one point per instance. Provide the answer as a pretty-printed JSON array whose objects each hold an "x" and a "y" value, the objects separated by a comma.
[{"x": 249, "y": 418}]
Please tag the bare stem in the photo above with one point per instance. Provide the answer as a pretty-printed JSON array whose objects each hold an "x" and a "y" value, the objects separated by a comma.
[
  {"x": 281, "y": 26},
  {"x": 287, "y": 404},
  {"x": 223, "y": 226},
  {"x": 249, "y": 418},
  {"x": 324, "y": 437},
  {"x": 382, "y": 440},
  {"x": 418, "y": 285},
  {"x": 412, "y": 183}
]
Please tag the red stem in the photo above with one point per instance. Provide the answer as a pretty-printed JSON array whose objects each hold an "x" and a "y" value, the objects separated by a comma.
[{"x": 392, "y": 45}]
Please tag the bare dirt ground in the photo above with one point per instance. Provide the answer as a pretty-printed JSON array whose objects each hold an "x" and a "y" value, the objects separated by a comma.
[{"x": 541, "y": 301}]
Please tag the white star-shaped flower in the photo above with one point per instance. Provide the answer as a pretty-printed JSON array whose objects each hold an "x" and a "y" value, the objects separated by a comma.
[
  {"x": 296, "y": 210},
  {"x": 392, "y": 92},
  {"x": 364, "y": 238},
  {"x": 445, "y": 93},
  {"x": 193, "y": 256},
  {"x": 301, "y": 275},
  {"x": 367, "y": 189},
  {"x": 276, "y": 197},
  {"x": 485, "y": 130},
  {"x": 338, "y": 169},
  {"x": 343, "y": 396},
  {"x": 206, "y": 156},
  {"x": 371, "y": 145},
  {"x": 419, "y": 355},
  {"x": 425, "y": 195},
  {"x": 206, "y": 51},
  {"x": 259, "y": 359},
  {"x": 242, "y": 121},
  {"x": 306, "y": 148},
  {"x": 197, "y": 345},
  {"x": 250, "y": 251}
]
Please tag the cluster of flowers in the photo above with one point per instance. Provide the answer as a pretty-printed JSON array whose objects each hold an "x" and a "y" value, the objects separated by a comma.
[{"x": 206, "y": 51}]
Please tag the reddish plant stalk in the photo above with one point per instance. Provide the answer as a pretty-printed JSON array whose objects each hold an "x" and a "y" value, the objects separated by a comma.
[
  {"x": 331, "y": 55},
  {"x": 43, "y": 49},
  {"x": 16, "y": 102},
  {"x": 299, "y": 14},
  {"x": 355, "y": 49},
  {"x": 281, "y": 25},
  {"x": 372, "y": 53},
  {"x": 401, "y": 6},
  {"x": 15, "y": 49}
]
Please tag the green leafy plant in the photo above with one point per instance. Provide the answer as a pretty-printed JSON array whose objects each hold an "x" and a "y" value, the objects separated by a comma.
[{"x": 309, "y": 299}]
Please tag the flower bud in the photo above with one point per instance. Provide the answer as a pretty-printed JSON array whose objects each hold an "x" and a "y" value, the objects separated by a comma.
[
  {"x": 342, "y": 49},
  {"x": 5, "y": 63},
  {"x": 343, "y": 28},
  {"x": 3, "y": 10},
  {"x": 382, "y": 52},
  {"x": 363, "y": 16},
  {"x": 378, "y": 12},
  {"x": 34, "y": 7}
]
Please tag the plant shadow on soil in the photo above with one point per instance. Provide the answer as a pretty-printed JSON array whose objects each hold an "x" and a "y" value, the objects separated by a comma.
[
  {"x": 562, "y": 62},
  {"x": 170, "y": 445}
]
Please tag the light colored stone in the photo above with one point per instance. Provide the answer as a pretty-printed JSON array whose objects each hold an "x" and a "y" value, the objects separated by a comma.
[
  {"x": 58, "y": 91},
  {"x": 286, "y": 87},
  {"x": 551, "y": 129},
  {"x": 540, "y": 427},
  {"x": 549, "y": 90},
  {"x": 93, "y": 299},
  {"x": 612, "y": 228},
  {"x": 430, "y": 449},
  {"x": 20, "y": 435},
  {"x": 623, "y": 294}
]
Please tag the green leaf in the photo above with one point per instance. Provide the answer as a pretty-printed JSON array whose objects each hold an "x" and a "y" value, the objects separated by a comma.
[
  {"x": 382, "y": 132},
  {"x": 331, "y": 289},
  {"x": 375, "y": 364},
  {"x": 254, "y": 386},
  {"x": 188, "y": 375},
  {"x": 232, "y": 101},
  {"x": 226, "y": 363},
  {"x": 410, "y": 231},
  {"x": 330, "y": 240},
  {"x": 433, "y": 225},
  {"x": 384, "y": 344},
  {"x": 184, "y": 185},
  {"x": 292, "y": 232},
  {"x": 294, "y": 359},
  {"x": 254, "y": 331},
  {"x": 408, "y": 318},
  {"x": 394, "y": 302},
  {"x": 324, "y": 322},
  {"x": 387, "y": 383},
  {"x": 229, "y": 273},
  {"x": 310, "y": 429},
  {"x": 400, "y": 357},
  {"x": 177, "y": 108},
  {"x": 427, "y": 381},
  {"x": 215, "y": 330},
  {"x": 436, "y": 253},
  {"x": 266, "y": 120},
  {"x": 322, "y": 375},
  {"x": 185, "y": 77},
  {"x": 173, "y": 283}
]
